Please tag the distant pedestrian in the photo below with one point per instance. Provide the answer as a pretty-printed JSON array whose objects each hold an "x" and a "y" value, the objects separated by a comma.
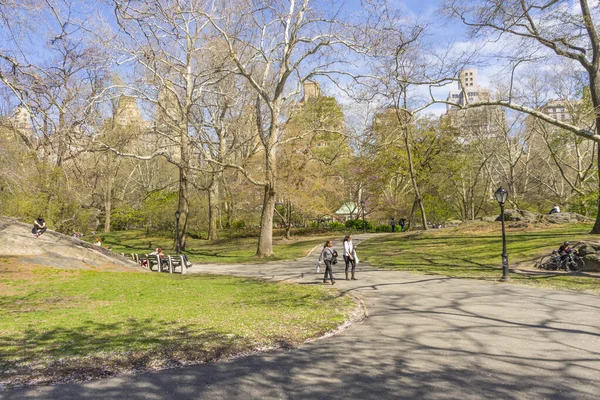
[
  {"x": 39, "y": 226},
  {"x": 98, "y": 242},
  {"x": 393, "y": 223},
  {"x": 402, "y": 222},
  {"x": 555, "y": 209},
  {"x": 350, "y": 257},
  {"x": 328, "y": 255}
]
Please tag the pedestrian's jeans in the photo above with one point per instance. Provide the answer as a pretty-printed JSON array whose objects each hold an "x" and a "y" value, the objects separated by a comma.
[{"x": 328, "y": 270}]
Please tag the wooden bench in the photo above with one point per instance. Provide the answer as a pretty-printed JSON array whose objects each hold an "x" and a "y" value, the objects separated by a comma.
[
  {"x": 149, "y": 261},
  {"x": 179, "y": 261},
  {"x": 170, "y": 263}
]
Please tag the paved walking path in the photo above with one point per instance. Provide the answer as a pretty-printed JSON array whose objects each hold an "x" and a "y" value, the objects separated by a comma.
[{"x": 426, "y": 337}]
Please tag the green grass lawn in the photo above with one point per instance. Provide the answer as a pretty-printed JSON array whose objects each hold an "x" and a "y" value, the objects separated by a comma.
[
  {"x": 473, "y": 251},
  {"x": 230, "y": 250},
  {"x": 59, "y": 324}
]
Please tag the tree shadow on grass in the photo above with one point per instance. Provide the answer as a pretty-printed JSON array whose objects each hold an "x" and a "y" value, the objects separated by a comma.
[
  {"x": 91, "y": 351},
  {"x": 426, "y": 339}
]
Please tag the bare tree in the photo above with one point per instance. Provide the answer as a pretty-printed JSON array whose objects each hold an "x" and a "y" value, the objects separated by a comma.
[
  {"x": 553, "y": 27},
  {"x": 167, "y": 40},
  {"x": 276, "y": 46}
]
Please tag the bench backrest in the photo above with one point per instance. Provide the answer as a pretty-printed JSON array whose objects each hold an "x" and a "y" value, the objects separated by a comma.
[
  {"x": 152, "y": 258},
  {"x": 176, "y": 260}
]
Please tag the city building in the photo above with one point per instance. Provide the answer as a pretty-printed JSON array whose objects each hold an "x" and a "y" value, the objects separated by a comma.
[
  {"x": 468, "y": 90},
  {"x": 559, "y": 109},
  {"x": 128, "y": 112},
  {"x": 489, "y": 120}
]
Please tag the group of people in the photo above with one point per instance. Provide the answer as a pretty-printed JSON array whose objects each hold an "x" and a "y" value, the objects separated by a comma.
[
  {"x": 329, "y": 257},
  {"x": 402, "y": 222},
  {"x": 164, "y": 259}
]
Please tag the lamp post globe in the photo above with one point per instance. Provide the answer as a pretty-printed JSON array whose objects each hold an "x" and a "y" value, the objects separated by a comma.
[{"x": 501, "y": 196}]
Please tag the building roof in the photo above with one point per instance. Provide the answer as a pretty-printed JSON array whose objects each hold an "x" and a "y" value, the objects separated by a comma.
[{"x": 347, "y": 208}]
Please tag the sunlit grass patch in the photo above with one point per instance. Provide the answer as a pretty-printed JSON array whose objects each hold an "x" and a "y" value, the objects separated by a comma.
[
  {"x": 228, "y": 250},
  {"x": 90, "y": 324},
  {"x": 473, "y": 251}
]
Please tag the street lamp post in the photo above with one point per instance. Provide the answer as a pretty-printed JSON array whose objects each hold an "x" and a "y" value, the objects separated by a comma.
[
  {"x": 501, "y": 195},
  {"x": 362, "y": 205},
  {"x": 177, "y": 243}
]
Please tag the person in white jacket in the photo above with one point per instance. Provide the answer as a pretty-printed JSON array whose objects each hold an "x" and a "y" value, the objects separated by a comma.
[{"x": 350, "y": 256}]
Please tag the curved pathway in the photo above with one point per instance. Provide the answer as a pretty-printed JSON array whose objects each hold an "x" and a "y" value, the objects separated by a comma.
[{"x": 426, "y": 337}]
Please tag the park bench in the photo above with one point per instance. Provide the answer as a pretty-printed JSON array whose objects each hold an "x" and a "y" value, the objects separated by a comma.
[
  {"x": 170, "y": 263},
  {"x": 149, "y": 260},
  {"x": 178, "y": 261}
]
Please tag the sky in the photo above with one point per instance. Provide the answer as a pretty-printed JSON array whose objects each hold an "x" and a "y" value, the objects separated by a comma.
[{"x": 442, "y": 33}]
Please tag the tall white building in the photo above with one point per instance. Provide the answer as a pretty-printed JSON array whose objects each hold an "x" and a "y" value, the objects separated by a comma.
[
  {"x": 468, "y": 90},
  {"x": 487, "y": 120}
]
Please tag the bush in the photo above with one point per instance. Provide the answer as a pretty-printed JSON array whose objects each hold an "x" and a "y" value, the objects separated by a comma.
[
  {"x": 336, "y": 225},
  {"x": 383, "y": 228},
  {"x": 126, "y": 217},
  {"x": 358, "y": 224},
  {"x": 238, "y": 224}
]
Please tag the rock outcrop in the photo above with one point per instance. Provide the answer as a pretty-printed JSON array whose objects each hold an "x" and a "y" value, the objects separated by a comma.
[
  {"x": 590, "y": 251},
  {"x": 55, "y": 249},
  {"x": 533, "y": 217}
]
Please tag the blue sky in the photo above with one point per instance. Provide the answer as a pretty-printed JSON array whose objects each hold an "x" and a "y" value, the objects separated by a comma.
[{"x": 441, "y": 32}]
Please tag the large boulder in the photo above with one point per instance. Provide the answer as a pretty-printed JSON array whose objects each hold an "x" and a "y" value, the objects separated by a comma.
[
  {"x": 56, "y": 250},
  {"x": 533, "y": 217},
  {"x": 590, "y": 251},
  {"x": 521, "y": 216},
  {"x": 566, "y": 218}
]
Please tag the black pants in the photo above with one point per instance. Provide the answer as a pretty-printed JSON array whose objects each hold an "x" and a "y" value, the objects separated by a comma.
[
  {"x": 328, "y": 270},
  {"x": 349, "y": 263},
  {"x": 393, "y": 228},
  {"x": 37, "y": 230}
]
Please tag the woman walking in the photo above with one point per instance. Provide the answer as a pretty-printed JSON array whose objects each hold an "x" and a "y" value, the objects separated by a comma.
[
  {"x": 349, "y": 256},
  {"x": 328, "y": 255}
]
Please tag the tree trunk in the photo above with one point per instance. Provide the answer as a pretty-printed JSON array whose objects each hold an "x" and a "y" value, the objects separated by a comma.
[
  {"x": 595, "y": 94},
  {"x": 288, "y": 217},
  {"x": 406, "y": 119},
  {"x": 413, "y": 178},
  {"x": 265, "y": 241},
  {"x": 183, "y": 206},
  {"x": 596, "y": 228},
  {"x": 212, "y": 210},
  {"x": 108, "y": 204}
]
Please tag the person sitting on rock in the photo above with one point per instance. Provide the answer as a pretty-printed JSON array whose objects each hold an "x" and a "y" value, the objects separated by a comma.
[
  {"x": 39, "y": 226},
  {"x": 555, "y": 209}
]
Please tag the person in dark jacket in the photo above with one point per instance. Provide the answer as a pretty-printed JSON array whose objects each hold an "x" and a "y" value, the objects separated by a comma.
[
  {"x": 39, "y": 226},
  {"x": 402, "y": 222},
  {"x": 328, "y": 255}
]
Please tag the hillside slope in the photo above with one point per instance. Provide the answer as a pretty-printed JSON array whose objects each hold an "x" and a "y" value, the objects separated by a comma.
[{"x": 56, "y": 250}]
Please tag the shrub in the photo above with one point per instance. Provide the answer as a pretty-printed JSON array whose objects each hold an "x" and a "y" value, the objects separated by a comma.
[
  {"x": 358, "y": 224},
  {"x": 238, "y": 224},
  {"x": 383, "y": 228},
  {"x": 336, "y": 225}
]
